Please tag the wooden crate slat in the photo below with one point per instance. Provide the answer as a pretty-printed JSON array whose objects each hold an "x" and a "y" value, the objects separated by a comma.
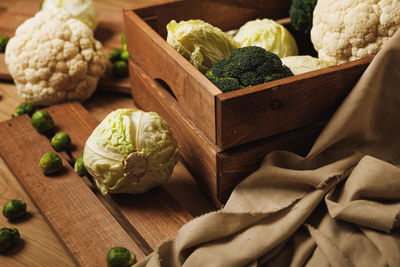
[
  {"x": 81, "y": 222},
  {"x": 284, "y": 105}
]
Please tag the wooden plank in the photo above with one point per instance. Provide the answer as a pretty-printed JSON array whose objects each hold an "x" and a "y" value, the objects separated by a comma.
[
  {"x": 155, "y": 215},
  {"x": 198, "y": 152},
  {"x": 39, "y": 246},
  {"x": 283, "y": 105},
  {"x": 162, "y": 62},
  {"x": 81, "y": 222}
]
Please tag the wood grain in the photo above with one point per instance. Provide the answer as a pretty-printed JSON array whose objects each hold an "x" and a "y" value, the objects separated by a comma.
[
  {"x": 81, "y": 222},
  {"x": 39, "y": 246},
  {"x": 284, "y": 105}
]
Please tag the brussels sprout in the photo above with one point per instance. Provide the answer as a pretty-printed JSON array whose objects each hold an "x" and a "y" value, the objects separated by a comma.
[
  {"x": 24, "y": 108},
  {"x": 79, "y": 167},
  {"x": 8, "y": 238},
  {"x": 50, "y": 163},
  {"x": 120, "y": 257},
  {"x": 61, "y": 141},
  {"x": 14, "y": 209},
  {"x": 3, "y": 43},
  {"x": 120, "y": 69},
  {"x": 115, "y": 54},
  {"x": 42, "y": 121},
  {"x": 130, "y": 151},
  {"x": 125, "y": 55}
]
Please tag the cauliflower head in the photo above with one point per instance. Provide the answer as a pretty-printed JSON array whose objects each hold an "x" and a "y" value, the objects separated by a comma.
[
  {"x": 54, "y": 57},
  {"x": 304, "y": 63},
  {"x": 345, "y": 30}
]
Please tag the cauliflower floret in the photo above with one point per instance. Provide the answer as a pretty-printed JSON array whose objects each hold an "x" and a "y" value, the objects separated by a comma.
[
  {"x": 54, "y": 57},
  {"x": 303, "y": 64},
  {"x": 345, "y": 30}
]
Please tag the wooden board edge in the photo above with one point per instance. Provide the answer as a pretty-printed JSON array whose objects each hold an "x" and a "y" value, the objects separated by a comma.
[
  {"x": 362, "y": 63},
  {"x": 283, "y": 105}
]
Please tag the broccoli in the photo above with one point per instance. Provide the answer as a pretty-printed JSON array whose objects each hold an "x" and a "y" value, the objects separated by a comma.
[
  {"x": 301, "y": 15},
  {"x": 245, "y": 67}
]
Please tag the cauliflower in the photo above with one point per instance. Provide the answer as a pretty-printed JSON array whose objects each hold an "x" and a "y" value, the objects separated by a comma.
[
  {"x": 345, "y": 30},
  {"x": 303, "y": 64},
  {"x": 54, "y": 57}
]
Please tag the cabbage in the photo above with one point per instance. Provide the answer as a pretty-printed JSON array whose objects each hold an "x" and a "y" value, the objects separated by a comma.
[
  {"x": 79, "y": 9},
  {"x": 302, "y": 64},
  {"x": 269, "y": 35},
  {"x": 199, "y": 42},
  {"x": 130, "y": 151}
]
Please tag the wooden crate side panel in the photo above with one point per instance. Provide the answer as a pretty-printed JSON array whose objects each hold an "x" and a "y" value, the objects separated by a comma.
[
  {"x": 237, "y": 163},
  {"x": 224, "y": 15},
  {"x": 280, "y": 106},
  {"x": 193, "y": 91},
  {"x": 154, "y": 216},
  {"x": 197, "y": 152},
  {"x": 77, "y": 217}
]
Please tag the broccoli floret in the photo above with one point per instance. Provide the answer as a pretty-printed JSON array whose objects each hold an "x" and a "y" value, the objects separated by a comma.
[
  {"x": 245, "y": 67},
  {"x": 301, "y": 14}
]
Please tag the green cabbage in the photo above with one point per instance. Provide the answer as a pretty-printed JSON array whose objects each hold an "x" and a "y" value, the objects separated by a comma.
[
  {"x": 269, "y": 35},
  {"x": 130, "y": 151},
  {"x": 80, "y": 9},
  {"x": 199, "y": 42}
]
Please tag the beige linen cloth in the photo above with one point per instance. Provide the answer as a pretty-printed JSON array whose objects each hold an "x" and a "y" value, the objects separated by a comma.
[{"x": 338, "y": 206}]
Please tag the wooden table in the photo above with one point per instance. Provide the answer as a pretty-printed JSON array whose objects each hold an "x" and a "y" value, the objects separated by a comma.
[{"x": 40, "y": 246}]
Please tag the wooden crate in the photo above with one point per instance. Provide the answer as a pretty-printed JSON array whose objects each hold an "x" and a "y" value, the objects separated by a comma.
[
  {"x": 239, "y": 117},
  {"x": 217, "y": 170}
]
